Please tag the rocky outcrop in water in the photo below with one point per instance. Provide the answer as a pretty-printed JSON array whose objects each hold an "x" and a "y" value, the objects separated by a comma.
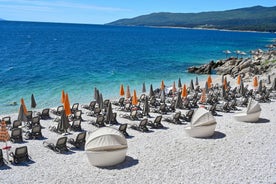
[{"x": 259, "y": 63}]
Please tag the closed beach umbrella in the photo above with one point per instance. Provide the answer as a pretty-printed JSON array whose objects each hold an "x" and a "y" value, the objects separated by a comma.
[
  {"x": 203, "y": 97},
  {"x": 63, "y": 125},
  {"x": 146, "y": 108},
  {"x": 209, "y": 81},
  {"x": 192, "y": 85},
  {"x": 98, "y": 99},
  {"x": 196, "y": 82},
  {"x": 33, "y": 103},
  {"x": 163, "y": 96},
  {"x": 239, "y": 80},
  {"x": 128, "y": 95},
  {"x": 21, "y": 115},
  {"x": 151, "y": 93},
  {"x": 95, "y": 93},
  {"x": 162, "y": 87},
  {"x": 101, "y": 105},
  {"x": 134, "y": 98},
  {"x": 184, "y": 91},
  {"x": 178, "y": 103},
  {"x": 122, "y": 91},
  {"x": 225, "y": 83},
  {"x": 179, "y": 83},
  {"x": 62, "y": 96},
  {"x": 260, "y": 88},
  {"x": 255, "y": 82},
  {"x": 109, "y": 113},
  {"x": 67, "y": 105},
  {"x": 242, "y": 91},
  {"x": 144, "y": 88},
  {"x": 206, "y": 87},
  {"x": 24, "y": 106},
  {"x": 173, "y": 88}
]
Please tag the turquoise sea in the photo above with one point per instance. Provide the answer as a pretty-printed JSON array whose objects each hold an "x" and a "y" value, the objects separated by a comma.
[{"x": 44, "y": 58}]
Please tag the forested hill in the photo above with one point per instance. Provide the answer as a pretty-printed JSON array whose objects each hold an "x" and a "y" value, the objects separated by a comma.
[{"x": 255, "y": 18}]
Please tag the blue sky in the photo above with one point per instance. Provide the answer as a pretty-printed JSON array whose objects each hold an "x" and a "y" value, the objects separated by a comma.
[{"x": 104, "y": 11}]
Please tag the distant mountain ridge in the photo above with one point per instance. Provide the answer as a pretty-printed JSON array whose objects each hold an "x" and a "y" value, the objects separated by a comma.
[{"x": 255, "y": 18}]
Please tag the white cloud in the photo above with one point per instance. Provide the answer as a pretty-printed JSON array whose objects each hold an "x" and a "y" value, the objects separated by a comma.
[{"x": 32, "y": 4}]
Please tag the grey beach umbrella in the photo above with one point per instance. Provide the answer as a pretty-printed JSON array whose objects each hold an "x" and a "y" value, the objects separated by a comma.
[
  {"x": 144, "y": 88},
  {"x": 146, "y": 108},
  {"x": 109, "y": 113},
  {"x": 63, "y": 125},
  {"x": 178, "y": 103},
  {"x": 151, "y": 93},
  {"x": 179, "y": 83},
  {"x": 33, "y": 103}
]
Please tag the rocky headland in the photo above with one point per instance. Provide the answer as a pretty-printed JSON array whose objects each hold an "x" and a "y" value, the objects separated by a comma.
[{"x": 260, "y": 62}]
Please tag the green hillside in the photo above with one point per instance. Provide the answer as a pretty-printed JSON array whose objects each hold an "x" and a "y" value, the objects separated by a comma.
[{"x": 255, "y": 18}]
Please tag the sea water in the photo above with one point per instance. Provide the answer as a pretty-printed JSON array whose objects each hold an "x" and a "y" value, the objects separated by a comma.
[{"x": 45, "y": 58}]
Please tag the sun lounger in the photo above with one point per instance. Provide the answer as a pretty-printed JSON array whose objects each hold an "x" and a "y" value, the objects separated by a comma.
[
  {"x": 45, "y": 114},
  {"x": 79, "y": 141},
  {"x": 132, "y": 116},
  {"x": 122, "y": 129},
  {"x": 142, "y": 126},
  {"x": 175, "y": 119},
  {"x": 35, "y": 133},
  {"x": 16, "y": 124},
  {"x": 156, "y": 123},
  {"x": 77, "y": 115},
  {"x": 188, "y": 116},
  {"x": 76, "y": 125},
  {"x": 99, "y": 121},
  {"x": 91, "y": 106},
  {"x": 95, "y": 113},
  {"x": 29, "y": 116},
  {"x": 16, "y": 135},
  {"x": 59, "y": 146},
  {"x": 20, "y": 155},
  {"x": 74, "y": 108},
  {"x": 58, "y": 111}
]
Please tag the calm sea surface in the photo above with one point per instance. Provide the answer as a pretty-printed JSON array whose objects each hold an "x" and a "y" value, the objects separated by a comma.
[{"x": 44, "y": 58}]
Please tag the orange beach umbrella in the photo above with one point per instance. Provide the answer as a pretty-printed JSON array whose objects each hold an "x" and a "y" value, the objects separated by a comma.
[
  {"x": 122, "y": 91},
  {"x": 209, "y": 81},
  {"x": 134, "y": 98},
  {"x": 184, "y": 91},
  {"x": 162, "y": 87},
  {"x": 67, "y": 105},
  {"x": 24, "y": 106},
  {"x": 225, "y": 83},
  {"x": 239, "y": 80},
  {"x": 255, "y": 82}
]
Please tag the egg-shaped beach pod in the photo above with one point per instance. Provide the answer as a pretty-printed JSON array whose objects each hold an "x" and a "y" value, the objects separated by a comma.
[
  {"x": 106, "y": 147},
  {"x": 203, "y": 124},
  {"x": 251, "y": 113}
]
